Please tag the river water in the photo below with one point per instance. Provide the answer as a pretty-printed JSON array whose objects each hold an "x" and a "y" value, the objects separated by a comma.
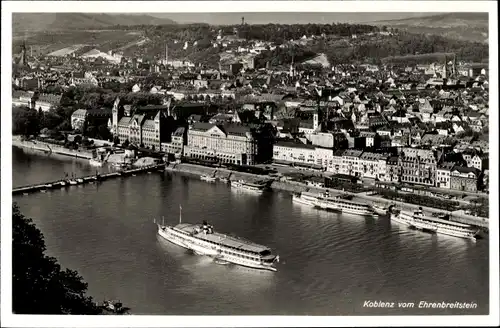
[{"x": 330, "y": 263}]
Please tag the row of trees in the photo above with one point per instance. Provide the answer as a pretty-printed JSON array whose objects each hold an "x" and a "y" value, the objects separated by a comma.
[
  {"x": 39, "y": 284},
  {"x": 29, "y": 122},
  {"x": 279, "y": 33},
  {"x": 97, "y": 97}
]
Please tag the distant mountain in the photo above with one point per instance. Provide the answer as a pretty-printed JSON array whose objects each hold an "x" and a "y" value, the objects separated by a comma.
[
  {"x": 23, "y": 22},
  {"x": 462, "y": 26}
]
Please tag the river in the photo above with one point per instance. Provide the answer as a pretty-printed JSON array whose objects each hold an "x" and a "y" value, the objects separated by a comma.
[{"x": 330, "y": 263}]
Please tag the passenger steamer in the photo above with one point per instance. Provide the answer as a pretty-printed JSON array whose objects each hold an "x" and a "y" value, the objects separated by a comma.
[
  {"x": 380, "y": 209},
  {"x": 420, "y": 221},
  {"x": 95, "y": 162},
  {"x": 208, "y": 178},
  {"x": 203, "y": 240},
  {"x": 327, "y": 202},
  {"x": 255, "y": 187}
]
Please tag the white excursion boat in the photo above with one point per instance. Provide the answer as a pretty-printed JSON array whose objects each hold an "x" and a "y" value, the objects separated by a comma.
[
  {"x": 203, "y": 240},
  {"x": 325, "y": 201},
  {"x": 305, "y": 198},
  {"x": 73, "y": 182},
  {"x": 95, "y": 162},
  {"x": 419, "y": 221},
  {"x": 255, "y": 187},
  {"x": 208, "y": 178},
  {"x": 380, "y": 209}
]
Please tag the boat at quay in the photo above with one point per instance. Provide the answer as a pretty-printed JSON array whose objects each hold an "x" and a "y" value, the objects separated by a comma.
[
  {"x": 207, "y": 178},
  {"x": 419, "y": 221},
  {"x": 202, "y": 239},
  {"x": 327, "y": 202},
  {"x": 380, "y": 209},
  {"x": 255, "y": 187}
]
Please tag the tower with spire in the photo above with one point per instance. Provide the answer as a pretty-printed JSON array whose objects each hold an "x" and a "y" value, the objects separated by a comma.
[{"x": 23, "y": 60}]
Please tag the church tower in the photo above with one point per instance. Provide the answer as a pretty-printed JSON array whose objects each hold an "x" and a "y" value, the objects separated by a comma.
[
  {"x": 117, "y": 114},
  {"x": 23, "y": 60},
  {"x": 157, "y": 120}
]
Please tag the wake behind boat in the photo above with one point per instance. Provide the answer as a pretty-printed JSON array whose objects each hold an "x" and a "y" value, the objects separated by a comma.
[{"x": 204, "y": 240}]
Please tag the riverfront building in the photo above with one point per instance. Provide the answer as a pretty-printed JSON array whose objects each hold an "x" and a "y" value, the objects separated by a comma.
[
  {"x": 290, "y": 152},
  {"x": 144, "y": 126},
  {"x": 418, "y": 166},
  {"x": 464, "y": 178},
  {"x": 443, "y": 175},
  {"x": 229, "y": 143},
  {"x": 175, "y": 147},
  {"x": 373, "y": 165}
]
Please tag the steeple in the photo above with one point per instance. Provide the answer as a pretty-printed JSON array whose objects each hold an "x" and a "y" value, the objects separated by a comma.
[{"x": 23, "y": 60}]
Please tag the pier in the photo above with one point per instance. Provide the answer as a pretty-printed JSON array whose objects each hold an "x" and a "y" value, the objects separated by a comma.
[{"x": 63, "y": 183}]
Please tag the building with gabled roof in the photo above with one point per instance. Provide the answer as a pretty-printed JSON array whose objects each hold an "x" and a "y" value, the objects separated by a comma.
[
  {"x": 418, "y": 166},
  {"x": 443, "y": 175},
  {"x": 465, "y": 178},
  {"x": 145, "y": 127}
]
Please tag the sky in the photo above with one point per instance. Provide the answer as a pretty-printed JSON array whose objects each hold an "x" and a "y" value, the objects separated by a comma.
[{"x": 285, "y": 18}]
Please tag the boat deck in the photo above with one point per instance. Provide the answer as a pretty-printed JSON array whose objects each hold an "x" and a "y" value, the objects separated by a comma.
[
  {"x": 437, "y": 220},
  {"x": 229, "y": 241}
]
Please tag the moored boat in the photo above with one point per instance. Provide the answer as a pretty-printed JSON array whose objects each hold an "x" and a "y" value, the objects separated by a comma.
[
  {"x": 380, "y": 209},
  {"x": 419, "y": 221},
  {"x": 325, "y": 201},
  {"x": 304, "y": 199},
  {"x": 95, "y": 162},
  {"x": 255, "y": 187},
  {"x": 208, "y": 178},
  {"x": 202, "y": 239}
]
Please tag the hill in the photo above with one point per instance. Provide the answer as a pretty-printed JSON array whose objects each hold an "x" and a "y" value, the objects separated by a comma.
[
  {"x": 461, "y": 26},
  {"x": 24, "y": 22}
]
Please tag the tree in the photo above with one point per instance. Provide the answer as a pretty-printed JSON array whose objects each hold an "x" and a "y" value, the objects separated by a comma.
[
  {"x": 39, "y": 285},
  {"x": 103, "y": 132},
  {"x": 25, "y": 121}
]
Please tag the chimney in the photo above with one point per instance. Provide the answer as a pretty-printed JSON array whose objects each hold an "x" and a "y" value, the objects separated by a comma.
[{"x": 166, "y": 53}]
